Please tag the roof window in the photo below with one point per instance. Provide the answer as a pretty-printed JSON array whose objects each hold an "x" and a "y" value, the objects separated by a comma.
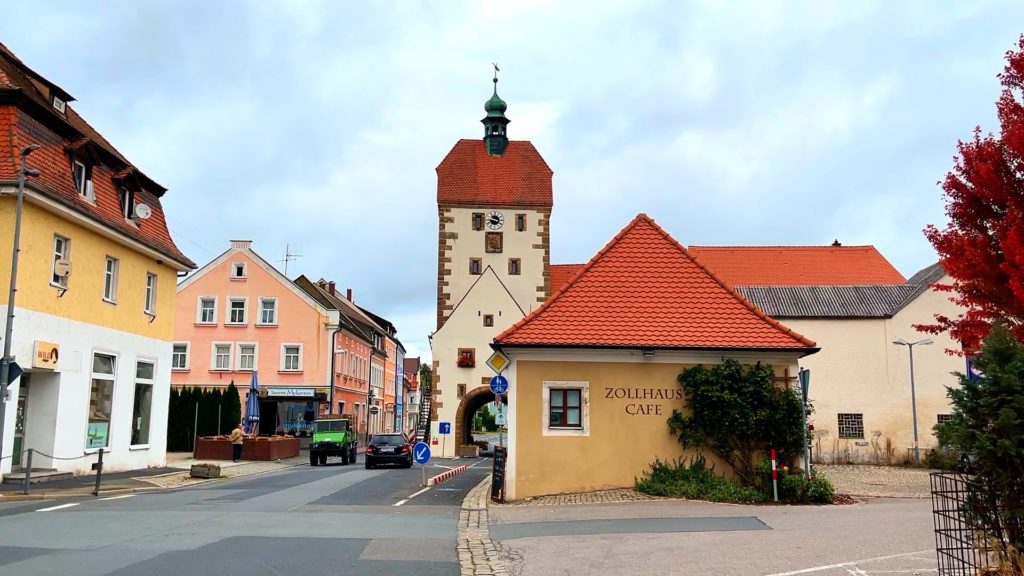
[{"x": 59, "y": 104}]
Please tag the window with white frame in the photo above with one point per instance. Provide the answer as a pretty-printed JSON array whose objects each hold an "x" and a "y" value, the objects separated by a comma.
[
  {"x": 566, "y": 408},
  {"x": 291, "y": 357},
  {"x": 247, "y": 357},
  {"x": 207, "y": 310},
  {"x": 150, "y": 293},
  {"x": 127, "y": 198},
  {"x": 237, "y": 270},
  {"x": 101, "y": 401},
  {"x": 81, "y": 177},
  {"x": 110, "y": 279},
  {"x": 143, "y": 404},
  {"x": 268, "y": 311},
  {"x": 61, "y": 251},
  {"x": 221, "y": 357},
  {"x": 179, "y": 356},
  {"x": 236, "y": 310}
]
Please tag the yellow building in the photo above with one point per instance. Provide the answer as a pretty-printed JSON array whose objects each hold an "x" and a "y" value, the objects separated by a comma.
[
  {"x": 592, "y": 380},
  {"x": 95, "y": 288}
]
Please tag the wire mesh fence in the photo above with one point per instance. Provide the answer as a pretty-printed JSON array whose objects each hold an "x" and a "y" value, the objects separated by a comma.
[{"x": 969, "y": 531}]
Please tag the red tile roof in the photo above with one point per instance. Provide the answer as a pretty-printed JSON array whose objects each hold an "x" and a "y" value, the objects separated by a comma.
[
  {"x": 32, "y": 120},
  {"x": 469, "y": 176},
  {"x": 562, "y": 273},
  {"x": 797, "y": 265},
  {"x": 645, "y": 290}
]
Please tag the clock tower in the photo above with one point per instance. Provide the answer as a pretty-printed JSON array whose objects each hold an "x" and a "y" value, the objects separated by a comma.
[{"x": 494, "y": 201}]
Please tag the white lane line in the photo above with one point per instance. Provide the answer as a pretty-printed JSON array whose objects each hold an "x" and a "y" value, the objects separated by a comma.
[
  {"x": 845, "y": 564},
  {"x": 62, "y": 506},
  {"x": 400, "y": 502},
  {"x": 475, "y": 463},
  {"x": 119, "y": 497},
  {"x": 411, "y": 496}
]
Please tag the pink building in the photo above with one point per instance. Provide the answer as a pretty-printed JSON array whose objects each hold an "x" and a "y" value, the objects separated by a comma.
[{"x": 238, "y": 314}]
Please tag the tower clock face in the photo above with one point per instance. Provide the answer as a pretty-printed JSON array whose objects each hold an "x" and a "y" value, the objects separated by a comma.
[{"x": 495, "y": 220}]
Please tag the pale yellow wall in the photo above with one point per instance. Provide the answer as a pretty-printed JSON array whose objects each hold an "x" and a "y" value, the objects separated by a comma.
[
  {"x": 83, "y": 300},
  {"x": 860, "y": 370},
  {"x": 619, "y": 447}
]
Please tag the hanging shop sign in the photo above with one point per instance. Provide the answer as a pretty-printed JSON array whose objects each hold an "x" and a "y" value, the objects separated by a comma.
[
  {"x": 45, "y": 355},
  {"x": 292, "y": 392}
]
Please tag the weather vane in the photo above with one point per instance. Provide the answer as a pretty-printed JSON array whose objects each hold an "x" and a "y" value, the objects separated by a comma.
[{"x": 496, "y": 70}]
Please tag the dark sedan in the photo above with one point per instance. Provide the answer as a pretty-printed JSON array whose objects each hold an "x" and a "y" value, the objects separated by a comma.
[{"x": 388, "y": 449}]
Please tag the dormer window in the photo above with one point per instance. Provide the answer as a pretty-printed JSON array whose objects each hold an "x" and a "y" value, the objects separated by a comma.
[
  {"x": 127, "y": 203},
  {"x": 238, "y": 270},
  {"x": 83, "y": 184},
  {"x": 59, "y": 104}
]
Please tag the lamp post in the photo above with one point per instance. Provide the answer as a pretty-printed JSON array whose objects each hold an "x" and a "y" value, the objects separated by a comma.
[
  {"x": 5, "y": 360},
  {"x": 913, "y": 395}
]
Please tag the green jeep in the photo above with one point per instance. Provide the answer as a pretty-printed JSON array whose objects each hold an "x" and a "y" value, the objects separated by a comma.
[{"x": 333, "y": 437}]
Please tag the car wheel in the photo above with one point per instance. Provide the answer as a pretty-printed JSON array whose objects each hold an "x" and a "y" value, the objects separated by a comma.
[
  {"x": 368, "y": 465},
  {"x": 323, "y": 459},
  {"x": 313, "y": 459},
  {"x": 344, "y": 458}
]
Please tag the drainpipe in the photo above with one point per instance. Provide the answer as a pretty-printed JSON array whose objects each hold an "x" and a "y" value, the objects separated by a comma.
[{"x": 334, "y": 359}]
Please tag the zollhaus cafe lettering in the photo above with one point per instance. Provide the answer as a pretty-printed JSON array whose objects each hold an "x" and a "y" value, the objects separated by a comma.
[{"x": 642, "y": 409}]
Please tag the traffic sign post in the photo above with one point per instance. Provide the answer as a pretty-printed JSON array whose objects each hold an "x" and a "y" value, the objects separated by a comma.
[
  {"x": 444, "y": 429},
  {"x": 421, "y": 454},
  {"x": 498, "y": 362},
  {"x": 499, "y": 384}
]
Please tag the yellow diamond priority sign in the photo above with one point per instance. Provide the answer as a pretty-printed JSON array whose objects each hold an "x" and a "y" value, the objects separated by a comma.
[{"x": 498, "y": 362}]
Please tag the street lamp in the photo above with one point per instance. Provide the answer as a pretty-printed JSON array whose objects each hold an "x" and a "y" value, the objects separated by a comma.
[
  {"x": 913, "y": 396},
  {"x": 5, "y": 360}
]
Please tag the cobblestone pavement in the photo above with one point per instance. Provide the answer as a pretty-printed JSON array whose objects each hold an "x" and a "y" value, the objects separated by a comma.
[
  {"x": 598, "y": 497},
  {"x": 878, "y": 481},
  {"x": 478, "y": 554}
]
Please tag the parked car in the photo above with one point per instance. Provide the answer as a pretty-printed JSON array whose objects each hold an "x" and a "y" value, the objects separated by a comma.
[{"x": 388, "y": 449}]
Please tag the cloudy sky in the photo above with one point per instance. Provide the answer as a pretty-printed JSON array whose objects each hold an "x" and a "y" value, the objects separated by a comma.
[{"x": 318, "y": 124}]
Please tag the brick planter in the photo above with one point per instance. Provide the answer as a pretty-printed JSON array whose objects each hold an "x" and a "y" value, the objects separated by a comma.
[{"x": 262, "y": 448}]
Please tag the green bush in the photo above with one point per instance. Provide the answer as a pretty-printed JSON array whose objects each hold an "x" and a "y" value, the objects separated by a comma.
[
  {"x": 820, "y": 490},
  {"x": 793, "y": 487},
  {"x": 694, "y": 481}
]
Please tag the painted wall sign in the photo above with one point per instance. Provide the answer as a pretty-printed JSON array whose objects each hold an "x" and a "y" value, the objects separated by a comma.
[
  {"x": 644, "y": 407},
  {"x": 45, "y": 355},
  {"x": 292, "y": 392}
]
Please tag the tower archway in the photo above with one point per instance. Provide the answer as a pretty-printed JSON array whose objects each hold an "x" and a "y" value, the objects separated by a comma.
[{"x": 473, "y": 401}]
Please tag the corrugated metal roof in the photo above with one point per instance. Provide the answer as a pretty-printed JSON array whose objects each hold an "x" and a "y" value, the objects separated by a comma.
[{"x": 861, "y": 301}]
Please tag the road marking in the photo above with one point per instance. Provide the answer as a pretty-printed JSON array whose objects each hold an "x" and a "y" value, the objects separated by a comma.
[
  {"x": 411, "y": 496},
  {"x": 62, "y": 506},
  {"x": 845, "y": 564},
  {"x": 119, "y": 497}
]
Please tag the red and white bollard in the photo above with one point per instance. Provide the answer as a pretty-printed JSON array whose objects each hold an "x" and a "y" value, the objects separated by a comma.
[{"x": 775, "y": 478}]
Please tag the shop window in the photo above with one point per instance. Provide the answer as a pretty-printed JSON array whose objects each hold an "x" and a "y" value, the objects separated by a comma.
[
  {"x": 143, "y": 403},
  {"x": 467, "y": 358},
  {"x": 514, "y": 266},
  {"x": 476, "y": 266},
  {"x": 488, "y": 319},
  {"x": 101, "y": 396},
  {"x": 179, "y": 356},
  {"x": 493, "y": 242},
  {"x": 851, "y": 426},
  {"x": 478, "y": 220},
  {"x": 520, "y": 222}
]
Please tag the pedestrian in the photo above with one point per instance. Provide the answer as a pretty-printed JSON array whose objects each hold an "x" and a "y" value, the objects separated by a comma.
[{"x": 237, "y": 437}]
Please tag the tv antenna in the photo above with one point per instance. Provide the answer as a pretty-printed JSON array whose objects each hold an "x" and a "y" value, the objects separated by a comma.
[{"x": 289, "y": 256}]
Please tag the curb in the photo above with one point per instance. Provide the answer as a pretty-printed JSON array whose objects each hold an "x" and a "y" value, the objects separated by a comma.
[
  {"x": 446, "y": 475},
  {"x": 478, "y": 554}
]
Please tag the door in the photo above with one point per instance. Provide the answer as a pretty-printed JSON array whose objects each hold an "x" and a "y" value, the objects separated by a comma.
[{"x": 20, "y": 417}]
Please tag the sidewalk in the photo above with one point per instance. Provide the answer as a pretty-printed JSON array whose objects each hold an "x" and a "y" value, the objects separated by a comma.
[{"x": 174, "y": 474}]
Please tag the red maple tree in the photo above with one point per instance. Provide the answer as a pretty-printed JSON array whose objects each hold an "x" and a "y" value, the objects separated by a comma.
[{"x": 982, "y": 248}]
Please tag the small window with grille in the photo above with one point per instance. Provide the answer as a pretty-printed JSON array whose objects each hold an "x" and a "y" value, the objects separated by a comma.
[{"x": 851, "y": 426}]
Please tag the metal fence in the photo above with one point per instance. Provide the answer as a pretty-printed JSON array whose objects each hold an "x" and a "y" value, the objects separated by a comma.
[{"x": 968, "y": 534}]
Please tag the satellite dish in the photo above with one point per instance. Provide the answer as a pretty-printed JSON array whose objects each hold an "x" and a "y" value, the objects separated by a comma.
[
  {"x": 62, "y": 268},
  {"x": 143, "y": 211}
]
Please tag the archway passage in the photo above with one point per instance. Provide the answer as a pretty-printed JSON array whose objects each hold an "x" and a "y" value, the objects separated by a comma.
[{"x": 471, "y": 403}]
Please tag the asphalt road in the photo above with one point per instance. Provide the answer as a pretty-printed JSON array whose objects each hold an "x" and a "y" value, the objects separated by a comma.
[{"x": 304, "y": 521}]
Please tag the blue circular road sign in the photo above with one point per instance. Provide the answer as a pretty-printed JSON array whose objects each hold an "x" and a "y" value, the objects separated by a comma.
[
  {"x": 499, "y": 384},
  {"x": 421, "y": 452}
]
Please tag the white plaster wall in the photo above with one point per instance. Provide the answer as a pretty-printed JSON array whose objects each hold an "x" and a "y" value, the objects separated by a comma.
[
  {"x": 470, "y": 244},
  {"x": 78, "y": 341},
  {"x": 860, "y": 370},
  {"x": 465, "y": 329}
]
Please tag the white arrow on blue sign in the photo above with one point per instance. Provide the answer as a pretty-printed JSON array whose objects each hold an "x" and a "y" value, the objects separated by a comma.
[
  {"x": 499, "y": 384},
  {"x": 421, "y": 452}
]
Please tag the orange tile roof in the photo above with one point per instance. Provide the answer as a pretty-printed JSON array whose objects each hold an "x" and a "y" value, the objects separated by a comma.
[
  {"x": 469, "y": 176},
  {"x": 797, "y": 265},
  {"x": 562, "y": 273},
  {"x": 645, "y": 290}
]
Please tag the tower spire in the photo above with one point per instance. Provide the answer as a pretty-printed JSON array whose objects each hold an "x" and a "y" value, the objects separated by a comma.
[{"x": 495, "y": 123}]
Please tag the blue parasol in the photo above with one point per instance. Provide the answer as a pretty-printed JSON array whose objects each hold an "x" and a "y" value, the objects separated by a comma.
[{"x": 252, "y": 406}]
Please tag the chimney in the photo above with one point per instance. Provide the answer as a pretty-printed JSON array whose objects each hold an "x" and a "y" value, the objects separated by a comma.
[
  {"x": 836, "y": 242},
  {"x": 330, "y": 288},
  {"x": 348, "y": 294}
]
